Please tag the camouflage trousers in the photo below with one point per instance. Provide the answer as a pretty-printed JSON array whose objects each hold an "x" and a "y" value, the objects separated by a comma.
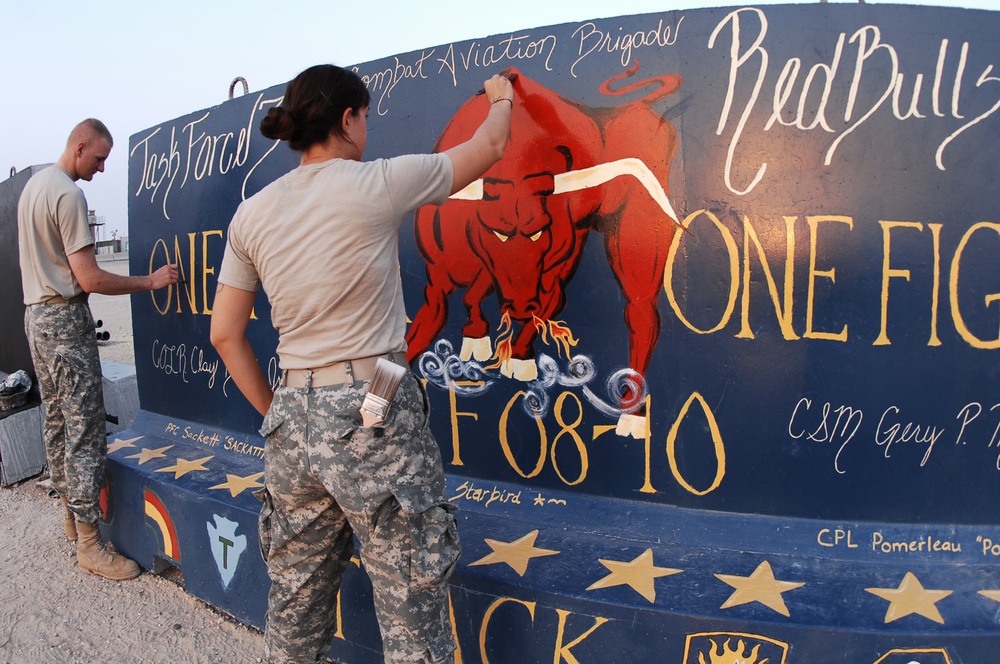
[
  {"x": 68, "y": 366},
  {"x": 327, "y": 479}
]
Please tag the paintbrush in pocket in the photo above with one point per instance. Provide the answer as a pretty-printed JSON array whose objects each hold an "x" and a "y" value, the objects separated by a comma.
[{"x": 381, "y": 389}]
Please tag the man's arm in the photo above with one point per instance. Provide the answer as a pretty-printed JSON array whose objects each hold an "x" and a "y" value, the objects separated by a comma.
[
  {"x": 475, "y": 156},
  {"x": 230, "y": 317},
  {"x": 95, "y": 280}
]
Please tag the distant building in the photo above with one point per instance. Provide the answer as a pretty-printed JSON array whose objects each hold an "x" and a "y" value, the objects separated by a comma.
[{"x": 101, "y": 244}]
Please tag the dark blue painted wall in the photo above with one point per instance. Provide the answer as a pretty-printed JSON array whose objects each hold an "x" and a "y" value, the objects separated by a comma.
[{"x": 915, "y": 435}]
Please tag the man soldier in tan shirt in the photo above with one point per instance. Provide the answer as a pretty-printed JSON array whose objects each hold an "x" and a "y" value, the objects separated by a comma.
[{"x": 58, "y": 272}]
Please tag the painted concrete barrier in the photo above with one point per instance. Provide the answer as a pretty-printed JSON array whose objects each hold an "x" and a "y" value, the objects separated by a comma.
[{"x": 711, "y": 351}]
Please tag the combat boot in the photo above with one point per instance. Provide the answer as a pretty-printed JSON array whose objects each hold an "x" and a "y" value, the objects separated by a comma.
[
  {"x": 93, "y": 555},
  {"x": 70, "y": 521}
]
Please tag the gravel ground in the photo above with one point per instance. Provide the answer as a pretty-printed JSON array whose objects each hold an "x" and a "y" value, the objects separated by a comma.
[{"x": 52, "y": 612}]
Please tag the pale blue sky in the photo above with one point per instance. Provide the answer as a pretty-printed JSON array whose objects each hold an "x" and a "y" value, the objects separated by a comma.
[{"x": 137, "y": 64}]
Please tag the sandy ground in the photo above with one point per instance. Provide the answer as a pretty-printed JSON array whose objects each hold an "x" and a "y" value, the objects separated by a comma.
[{"x": 50, "y": 611}]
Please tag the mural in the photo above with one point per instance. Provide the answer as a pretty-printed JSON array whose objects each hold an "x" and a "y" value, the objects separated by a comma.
[{"x": 710, "y": 352}]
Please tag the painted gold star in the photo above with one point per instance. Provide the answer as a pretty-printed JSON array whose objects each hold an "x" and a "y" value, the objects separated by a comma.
[
  {"x": 183, "y": 466},
  {"x": 148, "y": 455},
  {"x": 238, "y": 485},
  {"x": 639, "y": 573},
  {"x": 517, "y": 554},
  {"x": 911, "y": 597},
  {"x": 119, "y": 444},
  {"x": 992, "y": 594},
  {"x": 761, "y": 586}
]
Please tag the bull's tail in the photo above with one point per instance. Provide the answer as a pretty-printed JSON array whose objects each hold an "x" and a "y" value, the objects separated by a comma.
[{"x": 667, "y": 85}]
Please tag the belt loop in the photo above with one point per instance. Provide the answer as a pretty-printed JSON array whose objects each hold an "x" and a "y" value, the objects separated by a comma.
[
  {"x": 349, "y": 368},
  {"x": 309, "y": 379}
]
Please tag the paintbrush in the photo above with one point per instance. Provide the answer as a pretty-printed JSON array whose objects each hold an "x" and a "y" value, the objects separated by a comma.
[
  {"x": 381, "y": 389},
  {"x": 511, "y": 76}
]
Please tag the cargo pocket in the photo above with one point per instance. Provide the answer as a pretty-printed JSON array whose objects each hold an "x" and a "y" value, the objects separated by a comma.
[
  {"x": 434, "y": 542},
  {"x": 343, "y": 424},
  {"x": 264, "y": 522},
  {"x": 272, "y": 422}
]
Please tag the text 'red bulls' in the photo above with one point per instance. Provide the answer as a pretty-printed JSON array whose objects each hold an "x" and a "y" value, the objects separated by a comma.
[{"x": 519, "y": 232}]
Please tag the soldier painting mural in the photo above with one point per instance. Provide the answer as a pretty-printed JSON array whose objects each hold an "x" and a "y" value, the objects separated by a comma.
[{"x": 710, "y": 352}]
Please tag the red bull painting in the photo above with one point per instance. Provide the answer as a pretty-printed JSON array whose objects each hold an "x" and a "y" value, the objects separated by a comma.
[
  {"x": 711, "y": 352},
  {"x": 518, "y": 233}
]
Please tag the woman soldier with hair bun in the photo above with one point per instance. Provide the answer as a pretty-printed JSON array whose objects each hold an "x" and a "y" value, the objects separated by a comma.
[{"x": 322, "y": 241}]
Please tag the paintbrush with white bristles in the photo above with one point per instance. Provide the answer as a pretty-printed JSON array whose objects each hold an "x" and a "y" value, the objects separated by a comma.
[{"x": 382, "y": 388}]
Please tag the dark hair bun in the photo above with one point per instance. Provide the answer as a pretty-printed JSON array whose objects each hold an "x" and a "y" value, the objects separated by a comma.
[
  {"x": 278, "y": 124},
  {"x": 313, "y": 107}
]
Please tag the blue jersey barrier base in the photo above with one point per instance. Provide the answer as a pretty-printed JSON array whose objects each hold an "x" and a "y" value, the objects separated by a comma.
[{"x": 548, "y": 576}]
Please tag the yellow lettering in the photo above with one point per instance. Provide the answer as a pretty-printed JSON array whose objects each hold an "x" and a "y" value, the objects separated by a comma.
[
  {"x": 188, "y": 273},
  {"x": 831, "y": 274},
  {"x": 782, "y": 310},
  {"x": 718, "y": 446},
  {"x": 170, "y": 289},
  {"x": 601, "y": 429},
  {"x": 205, "y": 269},
  {"x": 456, "y": 458},
  {"x": 734, "y": 273},
  {"x": 187, "y": 278},
  {"x": 956, "y": 313},
  {"x": 570, "y": 430},
  {"x": 936, "y": 292},
  {"x": 340, "y": 616},
  {"x": 563, "y": 651},
  {"x": 505, "y": 442},
  {"x": 888, "y": 272},
  {"x": 489, "y": 615}
]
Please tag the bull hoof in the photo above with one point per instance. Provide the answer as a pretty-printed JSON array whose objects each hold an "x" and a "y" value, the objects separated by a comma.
[
  {"x": 524, "y": 370},
  {"x": 479, "y": 348},
  {"x": 631, "y": 425}
]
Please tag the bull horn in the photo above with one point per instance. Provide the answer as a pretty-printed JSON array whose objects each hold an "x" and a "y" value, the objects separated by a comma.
[
  {"x": 602, "y": 173},
  {"x": 472, "y": 192},
  {"x": 594, "y": 176}
]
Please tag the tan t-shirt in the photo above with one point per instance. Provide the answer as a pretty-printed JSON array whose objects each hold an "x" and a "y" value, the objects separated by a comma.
[
  {"x": 52, "y": 223},
  {"x": 322, "y": 240}
]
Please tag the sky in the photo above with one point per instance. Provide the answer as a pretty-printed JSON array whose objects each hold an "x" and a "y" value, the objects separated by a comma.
[{"x": 135, "y": 65}]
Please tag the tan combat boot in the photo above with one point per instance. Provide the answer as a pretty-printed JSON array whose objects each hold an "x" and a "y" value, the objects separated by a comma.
[
  {"x": 70, "y": 521},
  {"x": 93, "y": 556}
]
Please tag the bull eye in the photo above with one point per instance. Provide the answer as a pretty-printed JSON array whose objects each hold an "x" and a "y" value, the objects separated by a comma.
[
  {"x": 501, "y": 236},
  {"x": 534, "y": 238}
]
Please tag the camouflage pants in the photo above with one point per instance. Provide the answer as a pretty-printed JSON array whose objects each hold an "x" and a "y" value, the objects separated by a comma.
[
  {"x": 68, "y": 365},
  {"x": 329, "y": 478}
]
